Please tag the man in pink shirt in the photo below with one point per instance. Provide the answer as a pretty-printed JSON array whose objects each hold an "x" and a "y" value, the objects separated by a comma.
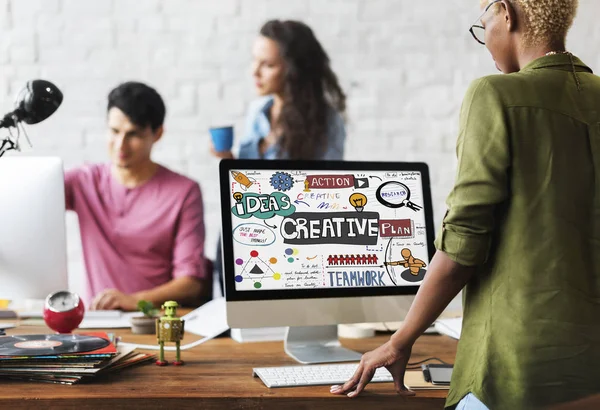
[{"x": 141, "y": 224}]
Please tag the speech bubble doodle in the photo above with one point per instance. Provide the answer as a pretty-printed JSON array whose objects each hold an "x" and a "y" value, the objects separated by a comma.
[{"x": 253, "y": 235}]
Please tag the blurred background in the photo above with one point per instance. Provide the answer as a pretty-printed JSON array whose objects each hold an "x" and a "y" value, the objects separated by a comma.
[{"x": 404, "y": 65}]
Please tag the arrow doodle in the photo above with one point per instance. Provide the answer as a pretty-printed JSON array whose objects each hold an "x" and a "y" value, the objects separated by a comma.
[
  {"x": 274, "y": 226},
  {"x": 298, "y": 202},
  {"x": 376, "y": 177}
]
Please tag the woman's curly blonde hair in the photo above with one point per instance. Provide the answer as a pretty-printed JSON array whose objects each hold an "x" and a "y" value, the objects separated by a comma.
[{"x": 546, "y": 21}]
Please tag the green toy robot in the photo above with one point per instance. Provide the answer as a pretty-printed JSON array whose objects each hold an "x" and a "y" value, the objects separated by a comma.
[{"x": 169, "y": 328}]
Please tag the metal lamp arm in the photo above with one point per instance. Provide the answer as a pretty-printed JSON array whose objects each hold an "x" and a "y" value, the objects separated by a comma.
[{"x": 7, "y": 145}]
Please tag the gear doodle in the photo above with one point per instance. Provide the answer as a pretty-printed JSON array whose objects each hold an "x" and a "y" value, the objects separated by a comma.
[{"x": 282, "y": 181}]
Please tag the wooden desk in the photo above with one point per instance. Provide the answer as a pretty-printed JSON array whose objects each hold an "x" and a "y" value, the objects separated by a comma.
[{"x": 218, "y": 375}]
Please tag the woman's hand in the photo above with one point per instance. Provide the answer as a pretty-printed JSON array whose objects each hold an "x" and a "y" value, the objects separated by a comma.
[
  {"x": 221, "y": 154},
  {"x": 386, "y": 355},
  {"x": 444, "y": 279}
]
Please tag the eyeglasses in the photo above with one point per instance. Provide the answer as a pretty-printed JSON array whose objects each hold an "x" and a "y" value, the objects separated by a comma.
[{"x": 477, "y": 30}]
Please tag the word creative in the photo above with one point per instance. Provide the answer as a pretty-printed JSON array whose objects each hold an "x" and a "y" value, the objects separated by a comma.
[{"x": 352, "y": 228}]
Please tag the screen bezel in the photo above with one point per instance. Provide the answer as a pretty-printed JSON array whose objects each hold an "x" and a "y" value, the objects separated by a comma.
[{"x": 226, "y": 165}]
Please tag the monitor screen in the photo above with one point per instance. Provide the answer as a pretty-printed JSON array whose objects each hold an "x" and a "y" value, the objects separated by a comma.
[
  {"x": 33, "y": 249},
  {"x": 324, "y": 229}
]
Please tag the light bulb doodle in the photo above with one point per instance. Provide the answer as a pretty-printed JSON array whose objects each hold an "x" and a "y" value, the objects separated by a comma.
[
  {"x": 238, "y": 196},
  {"x": 358, "y": 201}
]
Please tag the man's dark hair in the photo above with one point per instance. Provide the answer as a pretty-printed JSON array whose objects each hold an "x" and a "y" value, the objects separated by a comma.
[{"x": 142, "y": 104}]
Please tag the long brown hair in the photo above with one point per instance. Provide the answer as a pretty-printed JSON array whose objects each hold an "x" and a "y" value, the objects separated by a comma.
[{"x": 310, "y": 89}]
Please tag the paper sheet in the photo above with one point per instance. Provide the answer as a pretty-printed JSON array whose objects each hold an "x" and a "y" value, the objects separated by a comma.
[
  {"x": 449, "y": 327},
  {"x": 107, "y": 319}
]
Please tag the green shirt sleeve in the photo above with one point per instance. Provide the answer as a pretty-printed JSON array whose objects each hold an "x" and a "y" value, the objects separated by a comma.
[{"x": 482, "y": 177}]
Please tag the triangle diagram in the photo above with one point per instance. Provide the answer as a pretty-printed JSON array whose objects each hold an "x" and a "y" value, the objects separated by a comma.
[{"x": 256, "y": 270}]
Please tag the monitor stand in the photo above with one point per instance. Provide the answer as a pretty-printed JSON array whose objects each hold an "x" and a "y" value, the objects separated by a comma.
[{"x": 317, "y": 344}]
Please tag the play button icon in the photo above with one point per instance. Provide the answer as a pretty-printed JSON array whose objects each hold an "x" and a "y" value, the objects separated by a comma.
[{"x": 361, "y": 183}]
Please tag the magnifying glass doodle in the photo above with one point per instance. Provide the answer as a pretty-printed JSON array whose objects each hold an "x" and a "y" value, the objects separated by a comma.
[{"x": 394, "y": 194}]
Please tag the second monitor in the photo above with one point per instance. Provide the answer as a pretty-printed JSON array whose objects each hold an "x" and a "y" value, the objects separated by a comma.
[
  {"x": 314, "y": 244},
  {"x": 33, "y": 249}
]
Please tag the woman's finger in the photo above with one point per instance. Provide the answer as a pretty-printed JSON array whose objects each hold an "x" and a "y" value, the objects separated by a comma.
[
  {"x": 349, "y": 385},
  {"x": 398, "y": 371},
  {"x": 365, "y": 378},
  {"x": 401, "y": 388}
]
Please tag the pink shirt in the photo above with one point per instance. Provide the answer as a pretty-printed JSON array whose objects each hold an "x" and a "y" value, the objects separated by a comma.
[{"x": 140, "y": 238}]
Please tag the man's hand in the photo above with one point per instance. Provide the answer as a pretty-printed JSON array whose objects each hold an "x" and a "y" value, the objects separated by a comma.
[
  {"x": 386, "y": 355},
  {"x": 113, "y": 299}
]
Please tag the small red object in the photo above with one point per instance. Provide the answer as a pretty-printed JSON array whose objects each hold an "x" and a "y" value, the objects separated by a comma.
[{"x": 63, "y": 311}]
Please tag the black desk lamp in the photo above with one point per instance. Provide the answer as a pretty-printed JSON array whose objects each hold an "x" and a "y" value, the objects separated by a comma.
[{"x": 35, "y": 102}]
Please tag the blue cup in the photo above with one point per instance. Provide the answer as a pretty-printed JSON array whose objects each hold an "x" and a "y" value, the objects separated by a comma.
[{"x": 222, "y": 138}]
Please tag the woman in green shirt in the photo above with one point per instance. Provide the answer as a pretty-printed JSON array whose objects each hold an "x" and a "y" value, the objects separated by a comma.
[{"x": 522, "y": 230}]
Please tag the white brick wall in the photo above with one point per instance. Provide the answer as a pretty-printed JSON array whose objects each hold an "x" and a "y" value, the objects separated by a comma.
[{"x": 404, "y": 64}]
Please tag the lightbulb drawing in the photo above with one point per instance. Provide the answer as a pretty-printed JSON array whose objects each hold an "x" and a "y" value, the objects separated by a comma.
[
  {"x": 238, "y": 196},
  {"x": 358, "y": 201}
]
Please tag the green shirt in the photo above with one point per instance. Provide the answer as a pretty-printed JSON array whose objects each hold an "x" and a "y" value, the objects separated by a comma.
[{"x": 525, "y": 209}]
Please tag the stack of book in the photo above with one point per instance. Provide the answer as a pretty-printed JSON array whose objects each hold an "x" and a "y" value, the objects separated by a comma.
[{"x": 65, "y": 359}]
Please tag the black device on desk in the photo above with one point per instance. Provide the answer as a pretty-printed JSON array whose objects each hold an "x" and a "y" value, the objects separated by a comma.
[{"x": 439, "y": 374}]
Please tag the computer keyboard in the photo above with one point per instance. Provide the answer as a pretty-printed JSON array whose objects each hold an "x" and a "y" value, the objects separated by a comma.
[{"x": 313, "y": 375}]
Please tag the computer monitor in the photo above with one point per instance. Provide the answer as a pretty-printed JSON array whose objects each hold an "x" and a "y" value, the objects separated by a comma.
[
  {"x": 33, "y": 256},
  {"x": 313, "y": 244}
]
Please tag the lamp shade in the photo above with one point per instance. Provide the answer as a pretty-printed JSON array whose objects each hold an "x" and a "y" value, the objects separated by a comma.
[{"x": 37, "y": 101}]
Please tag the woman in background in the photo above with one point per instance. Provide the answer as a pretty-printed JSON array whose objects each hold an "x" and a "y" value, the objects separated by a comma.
[{"x": 300, "y": 113}]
